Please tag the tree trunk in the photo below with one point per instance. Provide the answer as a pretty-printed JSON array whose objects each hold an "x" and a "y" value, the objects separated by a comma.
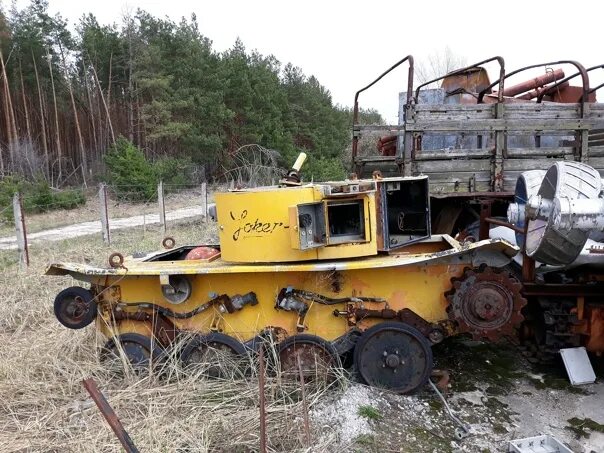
[
  {"x": 9, "y": 135},
  {"x": 25, "y": 109},
  {"x": 130, "y": 93},
  {"x": 57, "y": 136},
  {"x": 93, "y": 140},
  {"x": 83, "y": 162},
  {"x": 108, "y": 107},
  {"x": 11, "y": 126},
  {"x": 96, "y": 78},
  {"x": 42, "y": 119}
]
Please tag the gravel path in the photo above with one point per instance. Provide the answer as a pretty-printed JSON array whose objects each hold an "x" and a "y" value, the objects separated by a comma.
[{"x": 82, "y": 229}]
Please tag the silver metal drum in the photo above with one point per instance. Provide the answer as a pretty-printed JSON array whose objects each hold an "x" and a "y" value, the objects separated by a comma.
[{"x": 548, "y": 241}]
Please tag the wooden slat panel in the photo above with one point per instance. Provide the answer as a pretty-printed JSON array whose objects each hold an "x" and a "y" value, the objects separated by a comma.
[
  {"x": 385, "y": 159},
  {"x": 501, "y": 125},
  {"x": 542, "y": 111},
  {"x": 445, "y": 154},
  {"x": 561, "y": 133},
  {"x": 596, "y": 151},
  {"x": 452, "y": 166},
  {"x": 540, "y": 152},
  {"x": 442, "y": 108},
  {"x": 451, "y": 114},
  {"x": 438, "y": 186},
  {"x": 509, "y": 179},
  {"x": 597, "y": 163},
  {"x": 595, "y": 110},
  {"x": 388, "y": 128},
  {"x": 529, "y": 164}
]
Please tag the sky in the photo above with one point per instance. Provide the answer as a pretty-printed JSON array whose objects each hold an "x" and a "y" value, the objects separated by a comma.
[{"x": 347, "y": 44}]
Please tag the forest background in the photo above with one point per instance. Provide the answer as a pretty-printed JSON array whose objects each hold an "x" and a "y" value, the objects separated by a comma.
[{"x": 149, "y": 99}]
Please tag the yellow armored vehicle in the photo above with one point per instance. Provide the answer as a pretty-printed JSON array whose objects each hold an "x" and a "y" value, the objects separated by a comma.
[{"x": 322, "y": 269}]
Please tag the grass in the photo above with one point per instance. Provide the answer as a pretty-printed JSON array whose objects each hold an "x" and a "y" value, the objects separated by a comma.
[
  {"x": 369, "y": 412},
  {"x": 43, "y": 406},
  {"x": 583, "y": 427}
]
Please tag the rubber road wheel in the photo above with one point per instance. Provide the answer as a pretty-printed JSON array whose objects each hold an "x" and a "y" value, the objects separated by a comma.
[
  {"x": 138, "y": 350},
  {"x": 217, "y": 354},
  {"x": 394, "y": 356},
  {"x": 75, "y": 307}
]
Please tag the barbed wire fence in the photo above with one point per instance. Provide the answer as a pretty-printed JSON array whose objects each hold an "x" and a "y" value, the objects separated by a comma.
[
  {"x": 111, "y": 207},
  {"x": 104, "y": 211}
]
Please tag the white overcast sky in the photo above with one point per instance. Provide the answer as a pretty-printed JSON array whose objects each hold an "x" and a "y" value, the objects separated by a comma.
[{"x": 346, "y": 44}]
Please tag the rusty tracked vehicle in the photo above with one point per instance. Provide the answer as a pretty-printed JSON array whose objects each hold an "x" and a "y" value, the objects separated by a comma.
[
  {"x": 488, "y": 149},
  {"x": 322, "y": 269},
  {"x": 428, "y": 242}
]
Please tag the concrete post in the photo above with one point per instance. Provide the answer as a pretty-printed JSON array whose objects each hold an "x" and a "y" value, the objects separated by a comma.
[
  {"x": 104, "y": 214},
  {"x": 20, "y": 229}
]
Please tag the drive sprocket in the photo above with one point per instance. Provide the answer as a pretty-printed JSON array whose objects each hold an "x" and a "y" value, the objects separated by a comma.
[{"x": 486, "y": 303}]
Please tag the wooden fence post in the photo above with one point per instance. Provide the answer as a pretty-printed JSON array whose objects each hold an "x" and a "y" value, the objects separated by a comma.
[
  {"x": 204, "y": 200},
  {"x": 104, "y": 214},
  {"x": 21, "y": 232},
  {"x": 162, "y": 206}
]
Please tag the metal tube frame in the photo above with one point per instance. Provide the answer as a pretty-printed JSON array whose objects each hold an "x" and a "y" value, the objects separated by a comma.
[
  {"x": 566, "y": 79},
  {"x": 579, "y": 66},
  {"x": 355, "y": 114}
]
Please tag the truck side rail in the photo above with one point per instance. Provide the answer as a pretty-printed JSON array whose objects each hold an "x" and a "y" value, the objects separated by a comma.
[{"x": 484, "y": 147}]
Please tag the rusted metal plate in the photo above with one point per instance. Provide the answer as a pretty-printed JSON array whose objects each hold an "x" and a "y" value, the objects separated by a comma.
[
  {"x": 472, "y": 80},
  {"x": 571, "y": 94}
]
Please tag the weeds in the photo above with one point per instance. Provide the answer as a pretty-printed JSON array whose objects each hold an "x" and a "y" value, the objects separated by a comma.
[{"x": 369, "y": 412}]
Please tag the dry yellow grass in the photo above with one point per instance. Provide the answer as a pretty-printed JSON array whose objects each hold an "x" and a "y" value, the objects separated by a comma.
[{"x": 43, "y": 406}]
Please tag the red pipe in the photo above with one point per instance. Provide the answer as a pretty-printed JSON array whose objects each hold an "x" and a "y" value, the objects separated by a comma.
[
  {"x": 533, "y": 83},
  {"x": 547, "y": 90}
]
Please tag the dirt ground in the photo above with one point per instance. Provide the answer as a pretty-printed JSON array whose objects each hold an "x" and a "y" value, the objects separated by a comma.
[
  {"x": 44, "y": 408},
  {"x": 493, "y": 390}
]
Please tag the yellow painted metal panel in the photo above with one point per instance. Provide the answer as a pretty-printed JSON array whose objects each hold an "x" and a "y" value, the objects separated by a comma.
[
  {"x": 254, "y": 225},
  {"x": 260, "y": 226},
  {"x": 419, "y": 288}
]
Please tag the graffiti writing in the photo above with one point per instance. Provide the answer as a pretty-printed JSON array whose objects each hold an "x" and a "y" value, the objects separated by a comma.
[{"x": 256, "y": 228}]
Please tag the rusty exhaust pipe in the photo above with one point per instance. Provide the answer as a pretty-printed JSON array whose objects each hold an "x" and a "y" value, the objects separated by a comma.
[{"x": 533, "y": 83}]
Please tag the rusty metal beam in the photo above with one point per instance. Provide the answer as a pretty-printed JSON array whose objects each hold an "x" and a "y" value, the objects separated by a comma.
[
  {"x": 110, "y": 415},
  {"x": 498, "y": 222},
  {"x": 594, "y": 289}
]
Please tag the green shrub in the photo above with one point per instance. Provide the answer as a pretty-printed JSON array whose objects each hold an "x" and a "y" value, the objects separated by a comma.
[
  {"x": 36, "y": 196},
  {"x": 130, "y": 172},
  {"x": 173, "y": 172},
  {"x": 135, "y": 178},
  {"x": 323, "y": 169},
  {"x": 69, "y": 199}
]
